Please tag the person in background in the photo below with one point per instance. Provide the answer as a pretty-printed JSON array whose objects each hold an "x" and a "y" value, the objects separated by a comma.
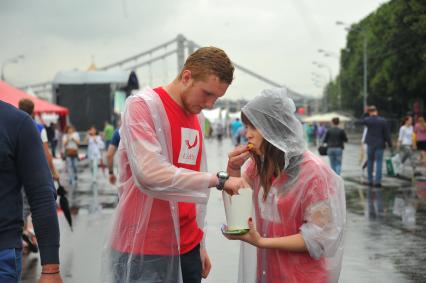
[
  {"x": 314, "y": 133},
  {"x": 335, "y": 139},
  {"x": 218, "y": 130},
  {"x": 112, "y": 149},
  {"x": 299, "y": 202},
  {"x": 405, "y": 144},
  {"x": 363, "y": 160},
  {"x": 71, "y": 141},
  {"x": 28, "y": 235},
  {"x": 378, "y": 135},
  {"x": 420, "y": 131},
  {"x": 241, "y": 135},
  {"x": 27, "y": 105},
  {"x": 23, "y": 164},
  {"x": 321, "y": 133},
  {"x": 51, "y": 136},
  {"x": 158, "y": 229},
  {"x": 234, "y": 127},
  {"x": 107, "y": 133},
  {"x": 309, "y": 131},
  {"x": 95, "y": 145}
]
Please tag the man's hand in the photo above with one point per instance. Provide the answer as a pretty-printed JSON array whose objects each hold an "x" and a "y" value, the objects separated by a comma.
[
  {"x": 53, "y": 277},
  {"x": 206, "y": 264},
  {"x": 233, "y": 184},
  {"x": 50, "y": 278}
]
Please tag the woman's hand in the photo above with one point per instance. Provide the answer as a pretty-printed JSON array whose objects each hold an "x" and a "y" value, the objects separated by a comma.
[
  {"x": 237, "y": 157},
  {"x": 252, "y": 236}
]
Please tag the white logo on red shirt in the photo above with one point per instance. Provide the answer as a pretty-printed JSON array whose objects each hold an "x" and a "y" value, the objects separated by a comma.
[{"x": 189, "y": 146}]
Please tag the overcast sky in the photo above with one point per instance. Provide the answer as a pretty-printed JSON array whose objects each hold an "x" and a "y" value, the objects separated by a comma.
[{"x": 278, "y": 39}]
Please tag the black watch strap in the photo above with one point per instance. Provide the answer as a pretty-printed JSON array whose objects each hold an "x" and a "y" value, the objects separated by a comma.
[{"x": 222, "y": 176}]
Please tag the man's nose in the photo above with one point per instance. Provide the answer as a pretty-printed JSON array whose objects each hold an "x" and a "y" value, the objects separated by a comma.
[{"x": 209, "y": 104}]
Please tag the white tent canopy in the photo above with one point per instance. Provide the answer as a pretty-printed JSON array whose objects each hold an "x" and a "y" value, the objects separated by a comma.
[
  {"x": 234, "y": 115},
  {"x": 216, "y": 115},
  {"x": 326, "y": 117}
]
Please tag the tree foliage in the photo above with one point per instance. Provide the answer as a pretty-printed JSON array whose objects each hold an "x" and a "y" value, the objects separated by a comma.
[{"x": 396, "y": 46}]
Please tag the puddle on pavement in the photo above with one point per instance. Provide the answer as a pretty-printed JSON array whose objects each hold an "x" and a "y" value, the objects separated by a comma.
[{"x": 396, "y": 218}]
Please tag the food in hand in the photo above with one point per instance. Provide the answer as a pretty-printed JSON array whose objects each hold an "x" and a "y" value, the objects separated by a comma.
[{"x": 250, "y": 146}]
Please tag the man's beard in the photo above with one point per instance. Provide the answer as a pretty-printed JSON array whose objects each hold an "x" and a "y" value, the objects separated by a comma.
[{"x": 188, "y": 107}]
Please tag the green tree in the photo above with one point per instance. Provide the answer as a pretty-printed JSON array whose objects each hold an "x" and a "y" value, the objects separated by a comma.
[{"x": 396, "y": 35}]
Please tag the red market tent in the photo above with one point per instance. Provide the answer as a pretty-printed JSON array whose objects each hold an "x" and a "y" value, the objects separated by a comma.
[{"x": 12, "y": 96}]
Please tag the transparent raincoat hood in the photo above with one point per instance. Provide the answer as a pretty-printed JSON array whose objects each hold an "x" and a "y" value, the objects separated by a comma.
[
  {"x": 307, "y": 198},
  {"x": 272, "y": 112}
]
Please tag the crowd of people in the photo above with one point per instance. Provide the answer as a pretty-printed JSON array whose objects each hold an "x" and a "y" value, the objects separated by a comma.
[
  {"x": 296, "y": 233},
  {"x": 27, "y": 174}
]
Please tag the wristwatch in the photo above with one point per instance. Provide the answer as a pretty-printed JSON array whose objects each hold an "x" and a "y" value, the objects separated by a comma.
[{"x": 222, "y": 176}]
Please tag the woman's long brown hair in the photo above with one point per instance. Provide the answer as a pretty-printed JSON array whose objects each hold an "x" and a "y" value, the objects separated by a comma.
[
  {"x": 422, "y": 123},
  {"x": 273, "y": 161}
]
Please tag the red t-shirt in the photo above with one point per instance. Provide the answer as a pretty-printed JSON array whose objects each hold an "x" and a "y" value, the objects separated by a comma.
[{"x": 187, "y": 148}]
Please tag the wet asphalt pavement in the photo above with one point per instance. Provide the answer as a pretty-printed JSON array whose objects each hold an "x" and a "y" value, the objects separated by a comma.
[{"x": 385, "y": 232}]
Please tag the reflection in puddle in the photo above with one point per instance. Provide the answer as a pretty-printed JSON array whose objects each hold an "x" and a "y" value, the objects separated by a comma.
[{"x": 403, "y": 211}]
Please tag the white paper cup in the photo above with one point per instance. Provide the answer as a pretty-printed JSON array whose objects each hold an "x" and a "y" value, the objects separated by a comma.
[{"x": 238, "y": 209}]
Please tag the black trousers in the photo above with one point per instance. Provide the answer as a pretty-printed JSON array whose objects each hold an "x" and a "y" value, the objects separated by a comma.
[
  {"x": 191, "y": 266},
  {"x": 156, "y": 269}
]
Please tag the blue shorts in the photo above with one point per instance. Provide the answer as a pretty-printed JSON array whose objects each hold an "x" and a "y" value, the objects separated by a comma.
[{"x": 10, "y": 265}]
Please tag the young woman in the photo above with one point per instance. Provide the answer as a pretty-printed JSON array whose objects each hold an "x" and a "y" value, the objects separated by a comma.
[
  {"x": 420, "y": 130},
  {"x": 95, "y": 145},
  {"x": 71, "y": 141},
  {"x": 405, "y": 144},
  {"x": 299, "y": 201}
]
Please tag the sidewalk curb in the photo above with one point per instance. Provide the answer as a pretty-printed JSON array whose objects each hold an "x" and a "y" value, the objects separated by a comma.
[{"x": 388, "y": 182}]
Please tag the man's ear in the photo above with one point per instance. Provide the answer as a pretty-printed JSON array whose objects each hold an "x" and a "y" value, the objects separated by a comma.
[{"x": 186, "y": 77}]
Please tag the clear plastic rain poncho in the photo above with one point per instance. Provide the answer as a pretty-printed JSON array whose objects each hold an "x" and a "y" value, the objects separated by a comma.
[
  {"x": 144, "y": 245},
  {"x": 307, "y": 198}
]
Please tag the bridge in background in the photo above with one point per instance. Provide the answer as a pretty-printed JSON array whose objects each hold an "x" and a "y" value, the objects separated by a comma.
[{"x": 180, "y": 47}]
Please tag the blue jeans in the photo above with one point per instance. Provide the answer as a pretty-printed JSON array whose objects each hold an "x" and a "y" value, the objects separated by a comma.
[
  {"x": 10, "y": 265},
  {"x": 335, "y": 156},
  {"x": 72, "y": 169},
  {"x": 374, "y": 154}
]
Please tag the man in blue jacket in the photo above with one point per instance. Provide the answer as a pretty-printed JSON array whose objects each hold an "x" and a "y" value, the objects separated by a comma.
[
  {"x": 23, "y": 164},
  {"x": 378, "y": 135}
]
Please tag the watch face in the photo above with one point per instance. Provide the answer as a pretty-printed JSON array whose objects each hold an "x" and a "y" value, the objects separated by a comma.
[{"x": 222, "y": 175}]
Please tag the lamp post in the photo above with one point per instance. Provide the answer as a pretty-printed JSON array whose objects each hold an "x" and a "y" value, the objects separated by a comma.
[
  {"x": 335, "y": 56},
  {"x": 320, "y": 84},
  {"x": 319, "y": 78},
  {"x": 365, "y": 60},
  {"x": 8, "y": 61},
  {"x": 322, "y": 65},
  {"x": 330, "y": 76}
]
